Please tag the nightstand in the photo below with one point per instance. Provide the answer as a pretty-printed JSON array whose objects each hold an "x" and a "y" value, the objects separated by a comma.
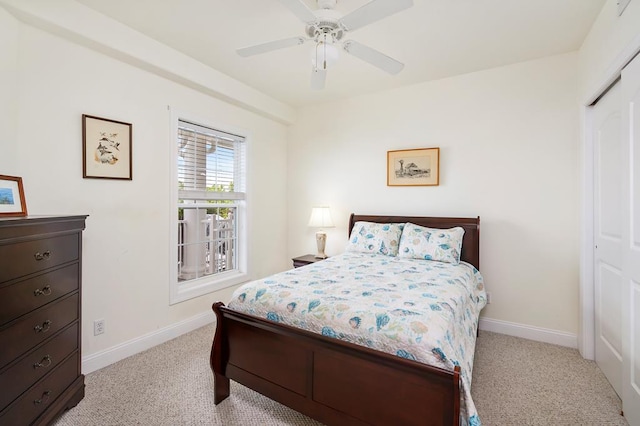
[{"x": 307, "y": 259}]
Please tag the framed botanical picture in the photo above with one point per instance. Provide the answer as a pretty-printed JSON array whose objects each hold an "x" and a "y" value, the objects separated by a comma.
[
  {"x": 106, "y": 148},
  {"x": 413, "y": 167},
  {"x": 12, "y": 201}
]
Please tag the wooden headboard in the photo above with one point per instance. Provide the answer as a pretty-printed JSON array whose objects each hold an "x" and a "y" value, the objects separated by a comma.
[{"x": 470, "y": 241}]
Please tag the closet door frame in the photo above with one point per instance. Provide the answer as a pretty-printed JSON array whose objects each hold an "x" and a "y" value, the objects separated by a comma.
[{"x": 587, "y": 332}]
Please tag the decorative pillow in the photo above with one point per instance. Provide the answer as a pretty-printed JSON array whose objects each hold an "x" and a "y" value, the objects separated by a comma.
[
  {"x": 443, "y": 245},
  {"x": 370, "y": 237}
]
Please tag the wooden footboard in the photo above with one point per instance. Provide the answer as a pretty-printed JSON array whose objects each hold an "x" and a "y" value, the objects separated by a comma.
[{"x": 335, "y": 382}]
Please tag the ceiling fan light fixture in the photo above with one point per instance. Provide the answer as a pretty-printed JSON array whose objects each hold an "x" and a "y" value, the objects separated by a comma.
[{"x": 324, "y": 55}]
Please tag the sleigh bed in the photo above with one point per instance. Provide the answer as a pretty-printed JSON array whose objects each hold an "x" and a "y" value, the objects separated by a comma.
[{"x": 338, "y": 382}]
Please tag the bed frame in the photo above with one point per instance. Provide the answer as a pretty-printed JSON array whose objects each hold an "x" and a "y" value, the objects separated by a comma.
[{"x": 336, "y": 382}]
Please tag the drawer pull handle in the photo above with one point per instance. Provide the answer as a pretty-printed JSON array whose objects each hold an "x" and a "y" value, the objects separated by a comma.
[
  {"x": 42, "y": 256},
  {"x": 46, "y": 290},
  {"x": 46, "y": 361},
  {"x": 44, "y": 398},
  {"x": 43, "y": 328}
]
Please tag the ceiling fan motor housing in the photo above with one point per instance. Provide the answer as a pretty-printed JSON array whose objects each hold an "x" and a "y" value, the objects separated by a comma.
[{"x": 328, "y": 23}]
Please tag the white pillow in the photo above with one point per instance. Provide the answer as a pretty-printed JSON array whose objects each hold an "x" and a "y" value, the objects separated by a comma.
[
  {"x": 443, "y": 245},
  {"x": 370, "y": 237}
]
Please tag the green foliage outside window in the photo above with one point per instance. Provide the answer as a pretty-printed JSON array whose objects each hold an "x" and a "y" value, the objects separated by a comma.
[{"x": 222, "y": 212}]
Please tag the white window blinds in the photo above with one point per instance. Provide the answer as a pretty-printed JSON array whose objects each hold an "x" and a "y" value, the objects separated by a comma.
[{"x": 210, "y": 163}]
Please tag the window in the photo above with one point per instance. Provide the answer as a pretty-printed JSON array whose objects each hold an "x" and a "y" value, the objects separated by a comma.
[{"x": 210, "y": 171}]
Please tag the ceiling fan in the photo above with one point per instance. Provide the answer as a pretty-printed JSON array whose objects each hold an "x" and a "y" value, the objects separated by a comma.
[{"x": 326, "y": 28}]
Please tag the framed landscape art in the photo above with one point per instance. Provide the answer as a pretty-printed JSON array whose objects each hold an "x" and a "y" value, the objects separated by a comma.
[
  {"x": 106, "y": 148},
  {"x": 413, "y": 167},
  {"x": 12, "y": 202}
]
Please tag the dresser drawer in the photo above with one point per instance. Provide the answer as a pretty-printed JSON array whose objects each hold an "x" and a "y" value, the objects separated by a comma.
[
  {"x": 33, "y": 402},
  {"x": 19, "y": 259},
  {"x": 31, "y": 368},
  {"x": 36, "y": 328},
  {"x": 25, "y": 296}
]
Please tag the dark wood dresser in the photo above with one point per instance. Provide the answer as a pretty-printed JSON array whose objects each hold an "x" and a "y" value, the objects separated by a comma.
[{"x": 40, "y": 288}]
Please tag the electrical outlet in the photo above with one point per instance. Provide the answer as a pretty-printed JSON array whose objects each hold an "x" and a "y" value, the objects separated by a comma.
[
  {"x": 488, "y": 298},
  {"x": 98, "y": 327}
]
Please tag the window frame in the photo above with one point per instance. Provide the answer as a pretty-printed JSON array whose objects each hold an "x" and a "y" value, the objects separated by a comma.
[{"x": 180, "y": 291}]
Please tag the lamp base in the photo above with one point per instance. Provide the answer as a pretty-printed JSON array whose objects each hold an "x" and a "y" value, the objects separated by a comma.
[{"x": 321, "y": 239}]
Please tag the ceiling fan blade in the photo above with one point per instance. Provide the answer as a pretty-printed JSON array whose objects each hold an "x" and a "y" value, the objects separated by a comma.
[
  {"x": 318, "y": 77},
  {"x": 301, "y": 10},
  {"x": 268, "y": 47},
  {"x": 373, "y": 11},
  {"x": 373, "y": 57}
]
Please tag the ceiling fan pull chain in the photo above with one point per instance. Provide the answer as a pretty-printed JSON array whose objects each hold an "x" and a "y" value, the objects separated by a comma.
[{"x": 324, "y": 46}]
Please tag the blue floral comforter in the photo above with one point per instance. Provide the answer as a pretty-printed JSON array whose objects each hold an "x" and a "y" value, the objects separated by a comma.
[{"x": 421, "y": 310}]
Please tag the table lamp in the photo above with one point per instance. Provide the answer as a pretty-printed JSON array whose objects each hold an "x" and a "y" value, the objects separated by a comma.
[{"x": 321, "y": 218}]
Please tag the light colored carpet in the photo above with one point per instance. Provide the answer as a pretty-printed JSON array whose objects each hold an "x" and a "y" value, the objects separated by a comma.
[
  {"x": 522, "y": 382},
  {"x": 515, "y": 382}
]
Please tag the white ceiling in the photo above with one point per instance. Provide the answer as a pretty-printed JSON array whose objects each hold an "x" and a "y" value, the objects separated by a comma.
[{"x": 434, "y": 39}]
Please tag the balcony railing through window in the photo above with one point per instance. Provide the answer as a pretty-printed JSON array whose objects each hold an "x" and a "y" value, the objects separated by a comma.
[{"x": 207, "y": 240}]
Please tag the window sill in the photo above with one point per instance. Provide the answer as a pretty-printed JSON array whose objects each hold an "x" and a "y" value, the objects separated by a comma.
[{"x": 205, "y": 285}]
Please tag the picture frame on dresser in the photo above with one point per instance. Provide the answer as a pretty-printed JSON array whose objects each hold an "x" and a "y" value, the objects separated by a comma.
[{"x": 12, "y": 200}]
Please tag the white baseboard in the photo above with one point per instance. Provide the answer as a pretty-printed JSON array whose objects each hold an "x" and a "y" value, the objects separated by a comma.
[
  {"x": 530, "y": 332},
  {"x": 119, "y": 352}
]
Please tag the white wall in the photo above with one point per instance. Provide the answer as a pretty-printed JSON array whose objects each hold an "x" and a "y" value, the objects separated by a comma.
[
  {"x": 8, "y": 81},
  {"x": 508, "y": 145},
  {"x": 126, "y": 243}
]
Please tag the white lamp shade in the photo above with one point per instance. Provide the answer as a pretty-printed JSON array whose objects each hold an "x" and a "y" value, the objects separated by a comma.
[
  {"x": 324, "y": 53},
  {"x": 320, "y": 218}
]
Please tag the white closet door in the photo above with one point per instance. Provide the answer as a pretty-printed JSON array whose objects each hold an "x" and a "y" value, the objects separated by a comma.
[
  {"x": 631, "y": 289},
  {"x": 609, "y": 201}
]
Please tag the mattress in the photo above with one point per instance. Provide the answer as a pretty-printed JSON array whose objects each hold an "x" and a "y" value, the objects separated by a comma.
[{"x": 422, "y": 310}]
